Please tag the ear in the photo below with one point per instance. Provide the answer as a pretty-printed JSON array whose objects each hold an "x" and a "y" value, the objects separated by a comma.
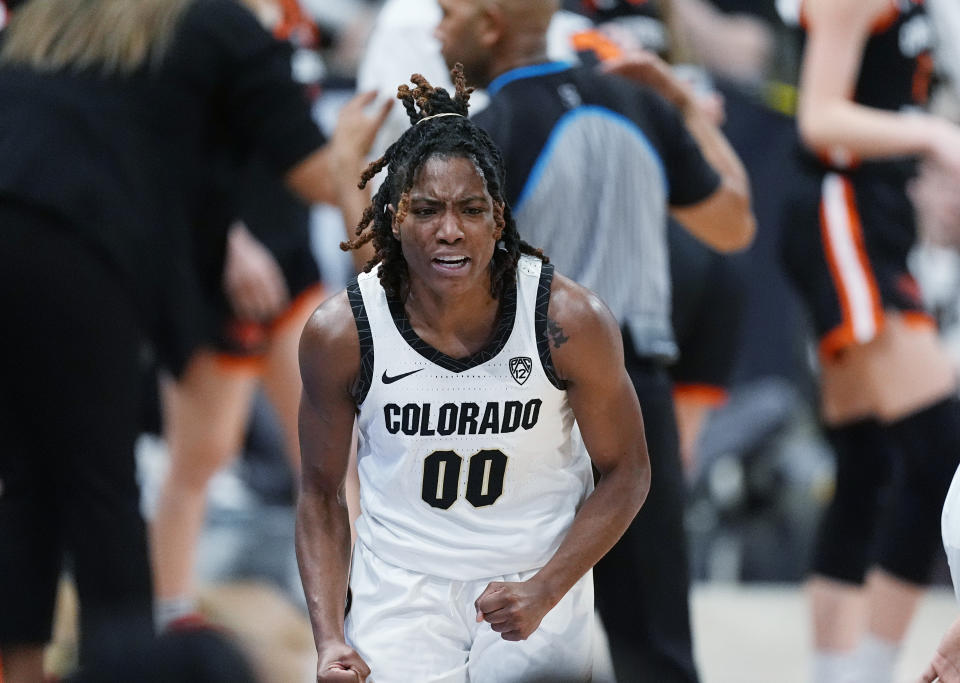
[
  {"x": 492, "y": 24},
  {"x": 393, "y": 220}
]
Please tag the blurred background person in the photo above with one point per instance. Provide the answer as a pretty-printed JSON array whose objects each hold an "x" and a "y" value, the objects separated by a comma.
[
  {"x": 756, "y": 466},
  {"x": 583, "y": 148},
  {"x": 888, "y": 388},
  {"x": 259, "y": 292},
  {"x": 97, "y": 205},
  {"x": 705, "y": 286}
]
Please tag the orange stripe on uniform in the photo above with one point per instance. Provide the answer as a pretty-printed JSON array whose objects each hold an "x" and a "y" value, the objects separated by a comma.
[
  {"x": 859, "y": 298},
  {"x": 254, "y": 363},
  {"x": 919, "y": 320},
  {"x": 295, "y": 309},
  {"x": 802, "y": 17},
  {"x": 596, "y": 42},
  {"x": 922, "y": 76},
  {"x": 244, "y": 365},
  {"x": 886, "y": 20},
  {"x": 294, "y": 23},
  {"x": 704, "y": 394}
]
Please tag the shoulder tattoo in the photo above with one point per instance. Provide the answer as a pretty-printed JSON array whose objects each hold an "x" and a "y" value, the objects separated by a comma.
[{"x": 554, "y": 333}]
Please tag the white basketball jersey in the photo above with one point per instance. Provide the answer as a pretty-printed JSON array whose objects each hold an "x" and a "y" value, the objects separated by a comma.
[{"x": 467, "y": 466}]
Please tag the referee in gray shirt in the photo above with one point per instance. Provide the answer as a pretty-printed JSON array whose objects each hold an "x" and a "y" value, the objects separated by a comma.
[{"x": 595, "y": 164}]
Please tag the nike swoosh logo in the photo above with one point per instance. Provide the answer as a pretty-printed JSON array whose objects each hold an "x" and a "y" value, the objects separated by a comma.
[{"x": 396, "y": 378}]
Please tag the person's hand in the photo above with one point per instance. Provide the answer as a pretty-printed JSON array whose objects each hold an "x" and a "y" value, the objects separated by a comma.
[
  {"x": 513, "y": 609},
  {"x": 648, "y": 69},
  {"x": 252, "y": 279},
  {"x": 945, "y": 666},
  {"x": 356, "y": 130},
  {"x": 338, "y": 662},
  {"x": 682, "y": 88}
]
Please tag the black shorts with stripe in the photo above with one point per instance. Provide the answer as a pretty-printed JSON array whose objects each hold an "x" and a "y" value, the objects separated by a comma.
[
  {"x": 708, "y": 302},
  {"x": 845, "y": 244},
  {"x": 244, "y": 339}
]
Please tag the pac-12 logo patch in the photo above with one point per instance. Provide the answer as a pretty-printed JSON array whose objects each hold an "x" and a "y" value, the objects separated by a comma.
[{"x": 520, "y": 368}]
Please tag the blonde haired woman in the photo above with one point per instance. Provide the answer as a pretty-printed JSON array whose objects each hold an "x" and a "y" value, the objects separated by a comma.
[{"x": 109, "y": 113}]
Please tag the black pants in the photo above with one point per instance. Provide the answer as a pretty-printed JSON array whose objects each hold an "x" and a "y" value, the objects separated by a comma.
[
  {"x": 69, "y": 357},
  {"x": 642, "y": 584}
]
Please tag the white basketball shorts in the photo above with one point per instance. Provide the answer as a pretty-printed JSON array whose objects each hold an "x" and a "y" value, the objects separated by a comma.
[{"x": 416, "y": 627}]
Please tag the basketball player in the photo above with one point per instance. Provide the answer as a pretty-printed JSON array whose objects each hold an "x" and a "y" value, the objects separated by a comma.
[
  {"x": 260, "y": 291},
  {"x": 888, "y": 387},
  {"x": 465, "y": 360}
]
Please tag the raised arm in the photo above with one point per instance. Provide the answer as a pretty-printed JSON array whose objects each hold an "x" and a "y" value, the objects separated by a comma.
[
  {"x": 331, "y": 173},
  {"x": 829, "y": 120},
  {"x": 723, "y": 220},
  {"x": 588, "y": 353},
  {"x": 329, "y": 365}
]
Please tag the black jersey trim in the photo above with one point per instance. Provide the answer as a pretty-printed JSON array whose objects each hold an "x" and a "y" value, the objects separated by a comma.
[
  {"x": 507, "y": 317},
  {"x": 365, "y": 379},
  {"x": 540, "y": 326}
]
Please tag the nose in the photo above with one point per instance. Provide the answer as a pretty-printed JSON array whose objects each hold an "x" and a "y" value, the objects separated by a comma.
[{"x": 450, "y": 230}]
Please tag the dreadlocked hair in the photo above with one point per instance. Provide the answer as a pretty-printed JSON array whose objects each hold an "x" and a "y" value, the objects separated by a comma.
[{"x": 446, "y": 137}]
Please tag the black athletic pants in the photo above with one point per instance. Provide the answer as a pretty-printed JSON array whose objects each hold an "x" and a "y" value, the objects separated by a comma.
[
  {"x": 642, "y": 584},
  {"x": 69, "y": 358}
]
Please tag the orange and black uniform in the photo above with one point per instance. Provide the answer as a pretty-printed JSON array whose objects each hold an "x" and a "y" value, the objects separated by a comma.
[
  {"x": 249, "y": 189},
  {"x": 280, "y": 221},
  {"x": 849, "y": 225},
  {"x": 100, "y": 181},
  {"x": 848, "y": 229}
]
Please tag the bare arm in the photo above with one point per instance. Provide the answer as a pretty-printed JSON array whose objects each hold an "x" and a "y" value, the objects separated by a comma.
[
  {"x": 724, "y": 220},
  {"x": 331, "y": 173},
  {"x": 589, "y": 356},
  {"x": 736, "y": 45},
  {"x": 829, "y": 120},
  {"x": 588, "y": 353},
  {"x": 329, "y": 363}
]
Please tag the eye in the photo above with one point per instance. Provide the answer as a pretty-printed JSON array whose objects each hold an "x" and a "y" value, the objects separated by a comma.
[
  {"x": 424, "y": 211},
  {"x": 474, "y": 210}
]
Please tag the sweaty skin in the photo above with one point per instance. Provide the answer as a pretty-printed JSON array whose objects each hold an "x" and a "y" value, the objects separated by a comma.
[{"x": 448, "y": 236}]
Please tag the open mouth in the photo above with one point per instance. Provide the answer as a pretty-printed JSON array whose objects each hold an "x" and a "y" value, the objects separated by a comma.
[{"x": 451, "y": 262}]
